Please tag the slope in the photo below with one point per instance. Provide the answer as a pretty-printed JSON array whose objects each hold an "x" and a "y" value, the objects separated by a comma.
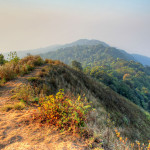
[
  {"x": 110, "y": 66},
  {"x": 48, "y": 49},
  {"x": 5, "y": 91},
  {"x": 88, "y": 55},
  {"x": 134, "y": 121},
  {"x": 142, "y": 59},
  {"x": 16, "y": 129}
]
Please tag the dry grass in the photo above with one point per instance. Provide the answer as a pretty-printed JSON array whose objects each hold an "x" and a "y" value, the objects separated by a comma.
[
  {"x": 15, "y": 106},
  {"x": 18, "y": 132},
  {"x": 12, "y": 69}
]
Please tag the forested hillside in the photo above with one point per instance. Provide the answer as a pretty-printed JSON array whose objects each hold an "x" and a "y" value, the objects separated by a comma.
[
  {"x": 89, "y": 55},
  {"x": 142, "y": 59},
  {"x": 128, "y": 78},
  {"x": 115, "y": 68}
]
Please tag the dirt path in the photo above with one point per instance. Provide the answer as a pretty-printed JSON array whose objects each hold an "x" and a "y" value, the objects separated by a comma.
[{"x": 5, "y": 90}]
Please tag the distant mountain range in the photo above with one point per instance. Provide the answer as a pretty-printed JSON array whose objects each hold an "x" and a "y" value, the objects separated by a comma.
[
  {"x": 85, "y": 42},
  {"x": 142, "y": 59},
  {"x": 45, "y": 52}
]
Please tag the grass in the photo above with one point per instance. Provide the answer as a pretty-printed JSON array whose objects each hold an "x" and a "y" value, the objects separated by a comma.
[
  {"x": 12, "y": 69},
  {"x": 24, "y": 92},
  {"x": 15, "y": 106}
]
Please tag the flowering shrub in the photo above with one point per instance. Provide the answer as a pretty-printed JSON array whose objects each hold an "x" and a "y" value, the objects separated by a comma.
[{"x": 64, "y": 111}]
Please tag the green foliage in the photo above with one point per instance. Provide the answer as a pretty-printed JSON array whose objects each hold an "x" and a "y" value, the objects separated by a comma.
[
  {"x": 24, "y": 93},
  {"x": 64, "y": 111},
  {"x": 12, "y": 56},
  {"x": 88, "y": 55},
  {"x": 2, "y": 60},
  {"x": 76, "y": 65},
  {"x": 127, "y": 78},
  {"x": 16, "y": 67},
  {"x": 33, "y": 79}
]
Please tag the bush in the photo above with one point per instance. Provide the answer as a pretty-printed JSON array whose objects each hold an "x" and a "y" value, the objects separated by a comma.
[
  {"x": 13, "y": 68},
  {"x": 7, "y": 71},
  {"x": 25, "y": 93},
  {"x": 64, "y": 111}
]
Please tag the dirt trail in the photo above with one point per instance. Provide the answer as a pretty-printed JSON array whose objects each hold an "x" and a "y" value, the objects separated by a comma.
[
  {"x": 5, "y": 90},
  {"x": 16, "y": 133}
]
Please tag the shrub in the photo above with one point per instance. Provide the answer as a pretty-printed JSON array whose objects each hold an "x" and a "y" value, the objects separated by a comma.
[
  {"x": 2, "y": 60},
  {"x": 31, "y": 92},
  {"x": 7, "y": 71},
  {"x": 33, "y": 79},
  {"x": 19, "y": 106},
  {"x": 64, "y": 111},
  {"x": 25, "y": 93},
  {"x": 17, "y": 67},
  {"x": 12, "y": 56},
  {"x": 76, "y": 65}
]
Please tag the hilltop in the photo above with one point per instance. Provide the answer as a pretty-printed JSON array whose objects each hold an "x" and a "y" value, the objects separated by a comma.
[{"x": 111, "y": 111}]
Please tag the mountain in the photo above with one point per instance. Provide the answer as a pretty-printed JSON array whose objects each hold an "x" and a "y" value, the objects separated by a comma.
[
  {"x": 43, "y": 50},
  {"x": 114, "y": 67},
  {"x": 142, "y": 59},
  {"x": 133, "y": 121},
  {"x": 82, "y": 42},
  {"x": 128, "y": 55},
  {"x": 24, "y": 53},
  {"x": 85, "y": 42},
  {"x": 89, "y": 55}
]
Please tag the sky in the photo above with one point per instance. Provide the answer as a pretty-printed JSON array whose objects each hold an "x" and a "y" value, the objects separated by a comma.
[{"x": 31, "y": 24}]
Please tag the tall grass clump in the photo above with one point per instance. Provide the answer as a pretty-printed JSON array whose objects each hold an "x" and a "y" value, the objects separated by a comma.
[
  {"x": 16, "y": 67},
  {"x": 124, "y": 143},
  {"x": 64, "y": 111}
]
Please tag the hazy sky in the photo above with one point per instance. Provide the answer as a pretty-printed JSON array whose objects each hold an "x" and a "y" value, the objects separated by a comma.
[{"x": 29, "y": 24}]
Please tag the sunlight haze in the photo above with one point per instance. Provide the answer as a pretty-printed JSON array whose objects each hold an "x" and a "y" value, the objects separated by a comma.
[{"x": 30, "y": 24}]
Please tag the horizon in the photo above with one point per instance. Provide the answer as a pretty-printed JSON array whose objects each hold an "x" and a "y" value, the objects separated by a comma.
[
  {"x": 30, "y": 24},
  {"x": 5, "y": 53}
]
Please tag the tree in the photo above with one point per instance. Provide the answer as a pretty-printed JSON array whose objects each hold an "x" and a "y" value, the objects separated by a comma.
[
  {"x": 77, "y": 65},
  {"x": 148, "y": 107},
  {"x": 2, "y": 60},
  {"x": 12, "y": 56}
]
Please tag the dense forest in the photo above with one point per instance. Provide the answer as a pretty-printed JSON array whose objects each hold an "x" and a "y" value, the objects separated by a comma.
[
  {"x": 115, "y": 68},
  {"x": 127, "y": 78}
]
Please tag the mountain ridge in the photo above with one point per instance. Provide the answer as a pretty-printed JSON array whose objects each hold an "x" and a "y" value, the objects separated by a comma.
[
  {"x": 114, "y": 67},
  {"x": 45, "y": 50}
]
